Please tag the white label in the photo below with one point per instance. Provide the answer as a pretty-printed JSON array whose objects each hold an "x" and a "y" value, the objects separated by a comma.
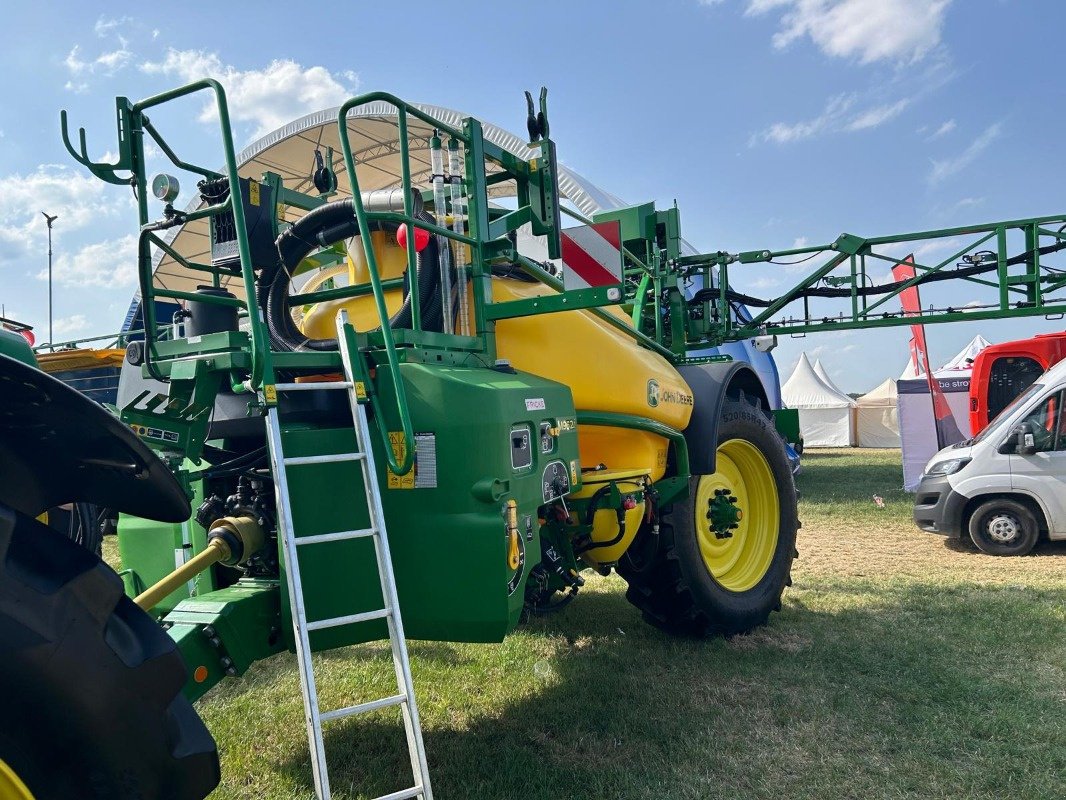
[
  {"x": 426, "y": 460},
  {"x": 535, "y": 404}
]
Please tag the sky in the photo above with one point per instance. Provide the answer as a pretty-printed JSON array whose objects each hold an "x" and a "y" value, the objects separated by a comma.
[{"x": 772, "y": 123}]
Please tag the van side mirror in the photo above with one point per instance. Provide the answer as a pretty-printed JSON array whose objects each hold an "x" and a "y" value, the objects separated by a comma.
[{"x": 1021, "y": 442}]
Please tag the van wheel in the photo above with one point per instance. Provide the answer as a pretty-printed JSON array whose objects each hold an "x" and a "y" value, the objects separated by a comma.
[{"x": 1004, "y": 527}]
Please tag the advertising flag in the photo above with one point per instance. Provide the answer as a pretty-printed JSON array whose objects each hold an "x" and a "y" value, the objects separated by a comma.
[{"x": 947, "y": 431}]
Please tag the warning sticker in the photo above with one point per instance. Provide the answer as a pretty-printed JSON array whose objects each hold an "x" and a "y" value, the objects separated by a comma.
[
  {"x": 423, "y": 474},
  {"x": 534, "y": 404}
]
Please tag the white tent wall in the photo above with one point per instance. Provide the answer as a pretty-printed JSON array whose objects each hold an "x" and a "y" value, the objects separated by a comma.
[
  {"x": 877, "y": 417},
  {"x": 824, "y": 413},
  {"x": 826, "y": 427},
  {"x": 917, "y": 425}
]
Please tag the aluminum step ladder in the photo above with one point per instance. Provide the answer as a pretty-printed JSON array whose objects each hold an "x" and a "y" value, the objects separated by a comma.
[{"x": 405, "y": 697}]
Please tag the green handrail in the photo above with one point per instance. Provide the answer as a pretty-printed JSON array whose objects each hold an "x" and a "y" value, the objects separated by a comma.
[
  {"x": 260, "y": 349},
  {"x": 403, "y": 466}
]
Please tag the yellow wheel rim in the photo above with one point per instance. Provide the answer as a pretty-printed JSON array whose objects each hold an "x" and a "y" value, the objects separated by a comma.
[
  {"x": 739, "y": 561},
  {"x": 11, "y": 786}
]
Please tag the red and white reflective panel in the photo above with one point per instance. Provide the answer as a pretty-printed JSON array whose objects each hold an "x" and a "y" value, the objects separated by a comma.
[{"x": 592, "y": 255}]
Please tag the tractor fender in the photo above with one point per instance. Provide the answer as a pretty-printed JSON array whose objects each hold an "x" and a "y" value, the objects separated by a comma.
[
  {"x": 58, "y": 446},
  {"x": 711, "y": 384}
]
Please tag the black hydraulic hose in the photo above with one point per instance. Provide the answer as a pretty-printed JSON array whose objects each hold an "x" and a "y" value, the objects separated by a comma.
[
  {"x": 323, "y": 227},
  {"x": 884, "y": 288}
]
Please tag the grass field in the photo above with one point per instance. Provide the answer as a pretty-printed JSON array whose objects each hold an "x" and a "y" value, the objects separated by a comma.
[{"x": 898, "y": 667}]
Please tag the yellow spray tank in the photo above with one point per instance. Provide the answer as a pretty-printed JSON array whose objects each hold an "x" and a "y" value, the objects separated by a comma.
[{"x": 597, "y": 361}]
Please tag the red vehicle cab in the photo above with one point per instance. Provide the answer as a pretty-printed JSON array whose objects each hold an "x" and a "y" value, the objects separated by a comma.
[{"x": 1003, "y": 371}]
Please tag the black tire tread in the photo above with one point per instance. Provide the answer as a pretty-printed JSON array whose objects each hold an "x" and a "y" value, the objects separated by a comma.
[
  {"x": 96, "y": 709},
  {"x": 662, "y": 589}
]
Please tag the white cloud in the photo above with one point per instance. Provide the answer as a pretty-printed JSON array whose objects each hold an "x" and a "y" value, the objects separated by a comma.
[
  {"x": 76, "y": 197},
  {"x": 110, "y": 264},
  {"x": 878, "y": 115},
  {"x": 66, "y": 326},
  {"x": 867, "y": 30},
  {"x": 839, "y": 116},
  {"x": 835, "y": 110},
  {"x": 951, "y": 166},
  {"x": 943, "y": 130},
  {"x": 105, "y": 27},
  {"x": 267, "y": 98},
  {"x": 800, "y": 241}
]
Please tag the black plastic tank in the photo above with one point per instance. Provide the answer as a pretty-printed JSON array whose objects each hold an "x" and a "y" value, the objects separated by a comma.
[{"x": 207, "y": 317}]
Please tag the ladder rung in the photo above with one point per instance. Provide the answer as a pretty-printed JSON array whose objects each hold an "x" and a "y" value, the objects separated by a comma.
[
  {"x": 312, "y": 385},
  {"x": 403, "y": 794},
  {"x": 336, "y": 622},
  {"x": 339, "y": 536},
  {"x": 296, "y": 461},
  {"x": 362, "y": 708}
]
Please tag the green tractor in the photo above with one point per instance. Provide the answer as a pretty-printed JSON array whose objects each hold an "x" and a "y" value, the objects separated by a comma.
[{"x": 362, "y": 360}]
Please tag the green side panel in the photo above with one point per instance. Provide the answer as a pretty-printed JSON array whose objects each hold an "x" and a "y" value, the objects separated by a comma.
[
  {"x": 637, "y": 222},
  {"x": 224, "y": 632},
  {"x": 15, "y": 346},
  {"x": 151, "y": 550},
  {"x": 787, "y": 421},
  {"x": 445, "y": 520}
]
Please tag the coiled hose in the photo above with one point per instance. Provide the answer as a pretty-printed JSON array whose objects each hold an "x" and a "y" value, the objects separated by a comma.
[{"x": 325, "y": 226}]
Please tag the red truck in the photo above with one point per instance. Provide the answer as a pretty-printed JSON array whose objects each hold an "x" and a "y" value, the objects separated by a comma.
[{"x": 1003, "y": 371}]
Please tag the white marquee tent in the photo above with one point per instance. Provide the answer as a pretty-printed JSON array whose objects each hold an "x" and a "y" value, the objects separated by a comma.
[
  {"x": 819, "y": 370},
  {"x": 824, "y": 413},
  {"x": 877, "y": 418}
]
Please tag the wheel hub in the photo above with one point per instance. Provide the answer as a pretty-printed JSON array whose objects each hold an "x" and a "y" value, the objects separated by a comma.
[
  {"x": 1003, "y": 528},
  {"x": 723, "y": 513}
]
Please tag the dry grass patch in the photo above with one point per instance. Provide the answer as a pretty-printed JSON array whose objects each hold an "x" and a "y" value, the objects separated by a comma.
[{"x": 899, "y": 666}]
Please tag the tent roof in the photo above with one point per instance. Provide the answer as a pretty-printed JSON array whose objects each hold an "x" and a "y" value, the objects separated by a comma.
[
  {"x": 969, "y": 352},
  {"x": 819, "y": 370},
  {"x": 884, "y": 394},
  {"x": 957, "y": 367},
  {"x": 289, "y": 152},
  {"x": 804, "y": 389}
]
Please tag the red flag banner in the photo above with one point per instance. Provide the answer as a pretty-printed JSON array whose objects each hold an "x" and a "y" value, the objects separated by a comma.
[{"x": 947, "y": 431}]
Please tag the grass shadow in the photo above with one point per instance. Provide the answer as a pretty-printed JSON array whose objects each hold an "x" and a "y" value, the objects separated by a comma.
[{"x": 907, "y": 694}]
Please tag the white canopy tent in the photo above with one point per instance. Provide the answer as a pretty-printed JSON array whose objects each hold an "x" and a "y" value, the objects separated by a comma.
[
  {"x": 374, "y": 135},
  {"x": 962, "y": 362},
  {"x": 824, "y": 413},
  {"x": 877, "y": 417},
  {"x": 819, "y": 370}
]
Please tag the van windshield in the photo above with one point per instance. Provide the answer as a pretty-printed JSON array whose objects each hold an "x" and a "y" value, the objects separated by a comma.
[{"x": 1004, "y": 415}]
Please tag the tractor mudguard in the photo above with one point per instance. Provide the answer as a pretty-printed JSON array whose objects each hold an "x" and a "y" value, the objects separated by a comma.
[
  {"x": 710, "y": 384},
  {"x": 58, "y": 446}
]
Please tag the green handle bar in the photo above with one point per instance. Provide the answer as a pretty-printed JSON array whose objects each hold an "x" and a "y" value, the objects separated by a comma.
[{"x": 403, "y": 466}]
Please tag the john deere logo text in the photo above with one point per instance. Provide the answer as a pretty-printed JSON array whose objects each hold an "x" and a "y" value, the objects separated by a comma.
[{"x": 656, "y": 395}]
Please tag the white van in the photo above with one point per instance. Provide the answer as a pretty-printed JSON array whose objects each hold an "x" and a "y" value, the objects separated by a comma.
[{"x": 1007, "y": 485}]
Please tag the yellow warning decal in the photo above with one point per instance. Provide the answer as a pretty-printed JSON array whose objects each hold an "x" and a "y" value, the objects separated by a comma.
[
  {"x": 360, "y": 390},
  {"x": 253, "y": 193},
  {"x": 399, "y": 451},
  {"x": 270, "y": 393}
]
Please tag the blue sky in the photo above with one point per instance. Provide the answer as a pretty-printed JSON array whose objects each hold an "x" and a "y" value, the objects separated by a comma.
[{"x": 771, "y": 122}]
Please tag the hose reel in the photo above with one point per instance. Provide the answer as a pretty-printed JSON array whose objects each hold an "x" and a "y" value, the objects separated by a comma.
[{"x": 325, "y": 226}]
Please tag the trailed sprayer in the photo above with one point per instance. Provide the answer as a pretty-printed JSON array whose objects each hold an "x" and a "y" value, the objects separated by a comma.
[{"x": 405, "y": 411}]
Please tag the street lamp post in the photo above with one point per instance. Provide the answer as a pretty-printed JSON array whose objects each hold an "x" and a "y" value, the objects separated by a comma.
[{"x": 50, "y": 220}]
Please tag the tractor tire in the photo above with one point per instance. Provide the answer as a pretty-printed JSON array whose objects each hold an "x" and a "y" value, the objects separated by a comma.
[
  {"x": 1003, "y": 527},
  {"x": 92, "y": 686},
  {"x": 694, "y": 581}
]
